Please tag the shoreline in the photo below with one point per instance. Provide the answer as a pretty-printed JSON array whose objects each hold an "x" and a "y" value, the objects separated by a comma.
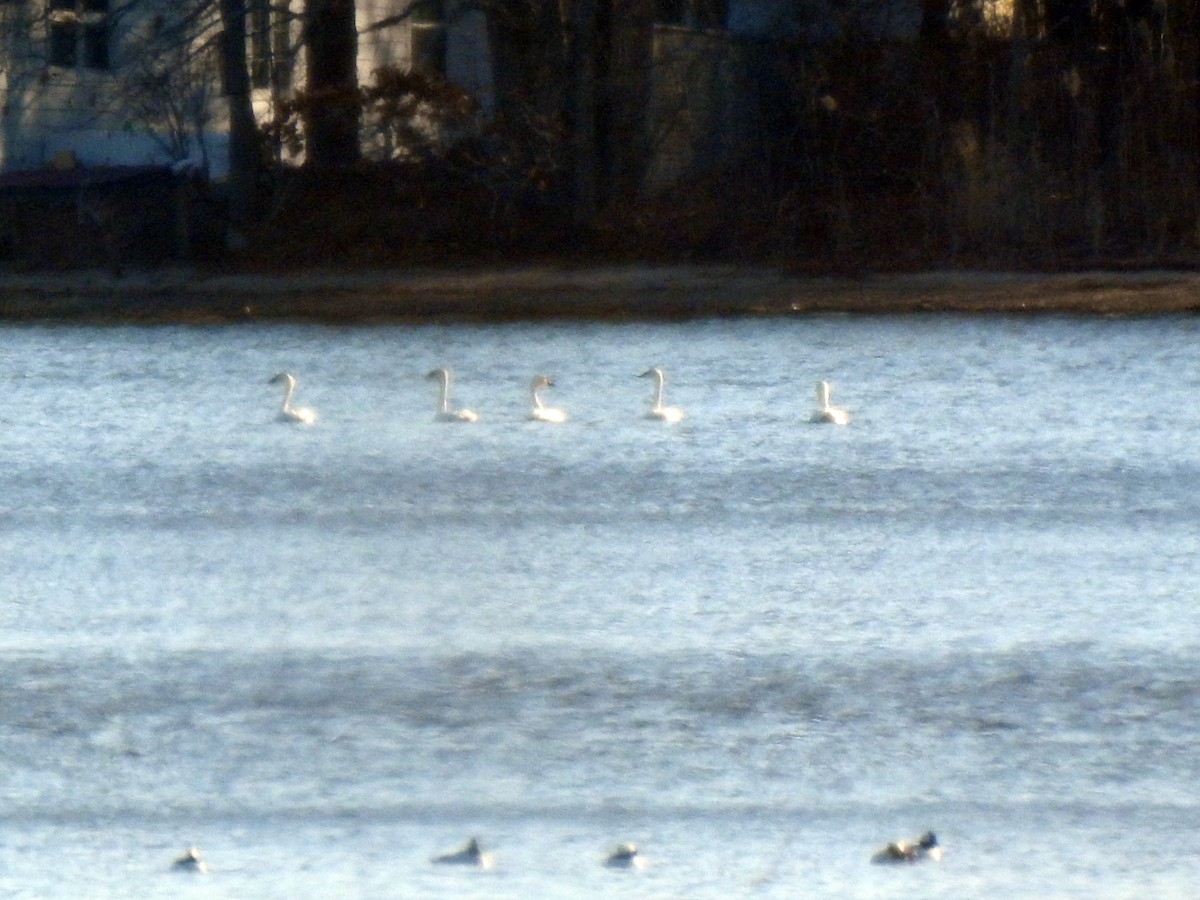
[{"x": 617, "y": 292}]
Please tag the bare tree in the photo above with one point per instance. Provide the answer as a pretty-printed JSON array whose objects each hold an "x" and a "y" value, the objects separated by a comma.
[
  {"x": 244, "y": 156},
  {"x": 583, "y": 91},
  {"x": 19, "y": 68},
  {"x": 167, "y": 77},
  {"x": 332, "y": 43},
  {"x": 529, "y": 80}
]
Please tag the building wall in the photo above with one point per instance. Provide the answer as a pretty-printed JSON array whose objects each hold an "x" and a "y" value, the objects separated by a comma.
[
  {"x": 48, "y": 110},
  {"x": 696, "y": 94},
  {"x": 381, "y": 46}
]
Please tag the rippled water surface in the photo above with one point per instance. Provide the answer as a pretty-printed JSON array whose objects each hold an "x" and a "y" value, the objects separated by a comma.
[{"x": 757, "y": 647}]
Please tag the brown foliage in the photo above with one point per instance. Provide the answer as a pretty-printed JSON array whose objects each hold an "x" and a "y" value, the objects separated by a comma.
[{"x": 403, "y": 114}]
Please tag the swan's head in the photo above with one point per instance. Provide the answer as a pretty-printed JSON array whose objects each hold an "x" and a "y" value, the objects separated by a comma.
[
  {"x": 541, "y": 381},
  {"x": 652, "y": 373},
  {"x": 927, "y": 841},
  {"x": 283, "y": 378},
  {"x": 438, "y": 375}
]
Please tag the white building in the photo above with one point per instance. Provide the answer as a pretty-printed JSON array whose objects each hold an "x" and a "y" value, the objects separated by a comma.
[{"x": 113, "y": 82}]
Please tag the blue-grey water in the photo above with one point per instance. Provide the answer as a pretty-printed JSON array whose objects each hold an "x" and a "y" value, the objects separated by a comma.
[{"x": 756, "y": 647}]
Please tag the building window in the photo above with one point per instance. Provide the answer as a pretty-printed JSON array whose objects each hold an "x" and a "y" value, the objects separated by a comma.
[
  {"x": 429, "y": 12},
  {"x": 428, "y": 37},
  {"x": 79, "y": 31}
]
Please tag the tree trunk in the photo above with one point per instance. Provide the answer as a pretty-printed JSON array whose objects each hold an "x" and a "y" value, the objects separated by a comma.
[
  {"x": 935, "y": 20},
  {"x": 529, "y": 71},
  {"x": 243, "y": 133},
  {"x": 625, "y": 132},
  {"x": 582, "y": 99},
  {"x": 332, "y": 125}
]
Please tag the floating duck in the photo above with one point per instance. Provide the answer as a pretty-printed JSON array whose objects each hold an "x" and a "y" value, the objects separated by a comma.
[
  {"x": 469, "y": 855},
  {"x": 190, "y": 862},
  {"x": 924, "y": 847},
  {"x": 625, "y": 857}
]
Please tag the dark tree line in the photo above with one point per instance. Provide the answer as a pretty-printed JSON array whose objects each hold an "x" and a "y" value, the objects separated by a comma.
[{"x": 1068, "y": 131}]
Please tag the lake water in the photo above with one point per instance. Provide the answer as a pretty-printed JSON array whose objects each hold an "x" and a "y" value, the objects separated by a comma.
[{"x": 758, "y": 648}]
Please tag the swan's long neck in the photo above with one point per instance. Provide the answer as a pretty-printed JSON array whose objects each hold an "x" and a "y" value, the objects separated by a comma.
[
  {"x": 658, "y": 390},
  {"x": 287, "y": 394},
  {"x": 537, "y": 401},
  {"x": 444, "y": 404},
  {"x": 823, "y": 394}
]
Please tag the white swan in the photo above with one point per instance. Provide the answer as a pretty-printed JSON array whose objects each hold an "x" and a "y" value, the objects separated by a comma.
[
  {"x": 190, "y": 862},
  {"x": 541, "y": 413},
  {"x": 924, "y": 847},
  {"x": 657, "y": 410},
  {"x": 444, "y": 412},
  {"x": 625, "y": 857},
  {"x": 469, "y": 855},
  {"x": 287, "y": 412},
  {"x": 824, "y": 411}
]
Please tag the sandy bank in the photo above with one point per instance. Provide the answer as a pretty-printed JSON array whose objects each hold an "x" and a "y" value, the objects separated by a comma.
[{"x": 617, "y": 292}]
